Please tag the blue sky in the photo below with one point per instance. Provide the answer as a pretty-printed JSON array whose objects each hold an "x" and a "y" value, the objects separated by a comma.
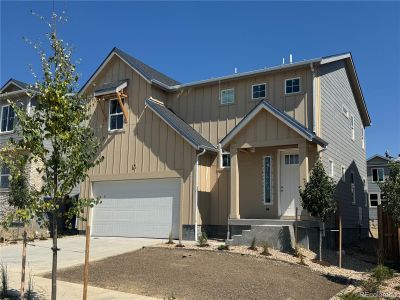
[{"x": 197, "y": 40}]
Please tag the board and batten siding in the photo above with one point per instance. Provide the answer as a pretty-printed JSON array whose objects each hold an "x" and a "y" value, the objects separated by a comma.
[
  {"x": 147, "y": 147},
  {"x": 335, "y": 91}
]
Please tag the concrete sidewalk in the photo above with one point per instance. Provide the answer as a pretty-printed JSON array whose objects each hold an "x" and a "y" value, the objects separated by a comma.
[{"x": 72, "y": 253}]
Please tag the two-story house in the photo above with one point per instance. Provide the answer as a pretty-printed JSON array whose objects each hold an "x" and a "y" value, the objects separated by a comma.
[{"x": 234, "y": 150}]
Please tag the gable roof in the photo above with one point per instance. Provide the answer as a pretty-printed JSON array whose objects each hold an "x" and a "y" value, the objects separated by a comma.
[
  {"x": 378, "y": 156},
  {"x": 181, "y": 127},
  {"x": 285, "y": 118},
  {"x": 149, "y": 73},
  {"x": 17, "y": 83}
]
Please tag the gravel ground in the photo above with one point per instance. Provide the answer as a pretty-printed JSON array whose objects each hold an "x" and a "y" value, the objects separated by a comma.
[{"x": 188, "y": 274}]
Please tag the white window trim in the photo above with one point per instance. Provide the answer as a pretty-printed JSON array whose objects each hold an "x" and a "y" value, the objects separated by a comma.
[
  {"x": 362, "y": 137},
  {"x": 377, "y": 199},
  {"x": 1, "y": 119},
  {"x": 352, "y": 126},
  {"x": 331, "y": 168},
  {"x": 377, "y": 173},
  {"x": 343, "y": 174},
  {"x": 270, "y": 178},
  {"x": 4, "y": 175},
  {"x": 225, "y": 90},
  {"x": 221, "y": 152},
  {"x": 116, "y": 114},
  {"x": 346, "y": 114},
  {"x": 266, "y": 91},
  {"x": 286, "y": 80}
]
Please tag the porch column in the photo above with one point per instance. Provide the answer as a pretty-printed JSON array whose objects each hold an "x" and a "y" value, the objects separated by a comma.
[
  {"x": 303, "y": 163},
  {"x": 234, "y": 212}
]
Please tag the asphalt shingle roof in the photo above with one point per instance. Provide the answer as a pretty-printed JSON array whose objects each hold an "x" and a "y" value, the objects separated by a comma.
[
  {"x": 180, "y": 126},
  {"x": 110, "y": 87},
  {"x": 16, "y": 82}
]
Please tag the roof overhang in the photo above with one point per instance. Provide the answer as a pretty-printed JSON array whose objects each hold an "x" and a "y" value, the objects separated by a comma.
[
  {"x": 283, "y": 117},
  {"x": 112, "y": 88}
]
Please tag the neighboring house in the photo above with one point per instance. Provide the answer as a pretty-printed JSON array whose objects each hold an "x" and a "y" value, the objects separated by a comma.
[
  {"x": 229, "y": 149},
  {"x": 13, "y": 90},
  {"x": 378, "y": 171}
]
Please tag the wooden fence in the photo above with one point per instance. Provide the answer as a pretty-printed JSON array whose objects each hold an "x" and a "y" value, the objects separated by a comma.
[{"x": 388, "y": 236}]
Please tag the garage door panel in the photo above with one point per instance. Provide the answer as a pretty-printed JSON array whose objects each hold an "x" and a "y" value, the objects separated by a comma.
[{"x": 137, "y": 208}]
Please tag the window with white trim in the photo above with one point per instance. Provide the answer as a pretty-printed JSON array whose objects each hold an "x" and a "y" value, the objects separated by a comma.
[
  {"x": 362, "y": 137},
  {"x": 353, "y": 187},
  {"x": 331, "y": 170},
  {"x": 267, "y": 179},
  {"x": 7, "y": 118},
  {"x": 352, "y": 127},
  {"x": 116, "y": 116},
  {"x": 228, "y": 96},
  {"x": 343, "y": 174},
  {"x": 373, "y": 200},
  {"x": 259, "y": 91},
  {"x": 378, "y": 175},
  {"x": 292, "y": 85},
  {"x": 4, "y": 177},
  {"x": 291, "y": 159}
]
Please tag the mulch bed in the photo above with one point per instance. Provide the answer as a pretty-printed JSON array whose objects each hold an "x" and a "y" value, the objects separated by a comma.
[{"x": 191, "y": 274}]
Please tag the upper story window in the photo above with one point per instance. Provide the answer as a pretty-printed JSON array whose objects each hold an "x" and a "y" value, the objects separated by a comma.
[
  {"x": 224, "y": 159},
  {"x": 352, "y": 127},
  {"x": 228, "y": 96},
  {"x": 343, "y": 174},
  {"x": 292, "y": 85},
  {"x": 331, "y": 170},
  {"x": 345, "y": 111},
  {"x": 363, "y": 137},
  {"x": 4, "y": 177},
  {"x": 378, "y": 175},
  {"x": 7, "y": 118},
  {"x": 116, "y": 116},
  {"x": 259, "y": 91},
  {"x": 373, "y": 200}
]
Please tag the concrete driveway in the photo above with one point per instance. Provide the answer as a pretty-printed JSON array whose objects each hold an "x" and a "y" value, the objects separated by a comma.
[{"x": 72, "y": 252}]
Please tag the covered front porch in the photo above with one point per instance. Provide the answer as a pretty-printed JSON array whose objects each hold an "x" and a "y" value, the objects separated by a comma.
[{"x": 271, "y": 157}]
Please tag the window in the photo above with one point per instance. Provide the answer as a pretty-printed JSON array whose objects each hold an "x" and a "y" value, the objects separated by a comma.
[
  {"x": 259, "y": 91},
  {"x": 291, "y": 159},
  {"x": 116, "y": 120},
  {"x": 331, "y": 168},
  {"x": 267, "y": 167},
  {"x": 378, "y": 175},
  {"x": 352, "y": 127},
  {"x": 373, "y": 200},
  {"x": 7, "y": 118},
  {"x": 292, "y": 85},
  {"x": 353, "y": 188},
  {"x": 362, "y": 137},
  {"x": 4, "y": 177},
  {"x": 343, "y": 174},
  {"x": 228, "y": 96},
  {"x": 345, "y": 111},
  {"x": 226, "y": 160},
  {"x": 365, "y": 192}
]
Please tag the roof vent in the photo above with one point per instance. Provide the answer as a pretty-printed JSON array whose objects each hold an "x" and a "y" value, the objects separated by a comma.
[
  {"x": 283, "y": 61},
  {"x": 235, "y": 70},
  {"x": 290, "y": 58}
]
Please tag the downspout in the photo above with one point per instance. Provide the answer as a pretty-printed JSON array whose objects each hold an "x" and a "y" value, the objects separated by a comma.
[
  {"x": 196, "y": 192},
  {"x": 314, "y": 103}
]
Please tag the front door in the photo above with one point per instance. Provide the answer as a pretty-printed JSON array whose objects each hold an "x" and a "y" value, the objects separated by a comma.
[{"x": 289, "y": 182}]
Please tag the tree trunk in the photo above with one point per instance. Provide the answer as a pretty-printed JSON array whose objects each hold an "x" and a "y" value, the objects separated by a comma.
[
  {"x": 24, "y": 242},
  {"x": 54, "y": 268}
]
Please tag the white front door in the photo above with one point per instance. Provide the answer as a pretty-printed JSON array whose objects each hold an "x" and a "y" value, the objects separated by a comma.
[{"x": 289, "y": 183}]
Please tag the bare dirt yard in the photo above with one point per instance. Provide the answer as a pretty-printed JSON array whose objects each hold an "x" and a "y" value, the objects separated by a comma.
[{"x": 188, "y": 274}]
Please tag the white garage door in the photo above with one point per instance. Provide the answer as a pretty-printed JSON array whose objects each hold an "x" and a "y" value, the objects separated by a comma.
[{"x": 137, "y": 208}]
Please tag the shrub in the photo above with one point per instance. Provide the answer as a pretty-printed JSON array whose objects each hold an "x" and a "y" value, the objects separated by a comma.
[
  {"x": 223, "y": 247},
  {"x": 4, "y": 280},
  {"x": 42, "y": 237},
  {"x": 297, "y": 253},
  {"x": 381, "y": 273},
  {"x": 203, "y": 239},
  {"x": 370, "y": 285},
  {"x": 265, "y": 247},
  {"x": 354, "y": 296},
  {"x": 253, "y": 245},
  {"x": 170, "y": 239}
]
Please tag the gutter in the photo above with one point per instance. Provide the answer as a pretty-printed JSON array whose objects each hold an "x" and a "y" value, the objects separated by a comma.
[
  {"x": 15, "y": 93},
  {"x": 196, "y": 192}
]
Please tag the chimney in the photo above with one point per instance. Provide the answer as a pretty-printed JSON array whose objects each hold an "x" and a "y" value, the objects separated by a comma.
[{"x": 290, "y": 58}]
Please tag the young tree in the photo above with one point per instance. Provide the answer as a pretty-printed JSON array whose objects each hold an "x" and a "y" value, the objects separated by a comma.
[
  {"x": 317, "y": 196},
  {"x": 57, "y": 137},
  {"x": 391, "y": 190}
]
